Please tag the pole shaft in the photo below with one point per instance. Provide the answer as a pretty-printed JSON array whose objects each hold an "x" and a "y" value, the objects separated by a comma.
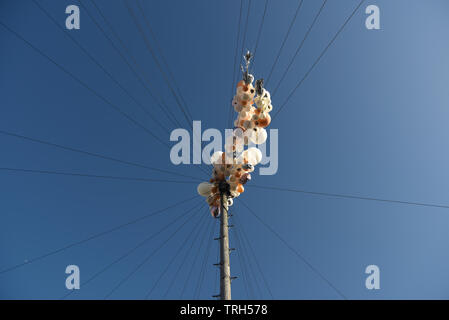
[{"x": 225, "y": 267}]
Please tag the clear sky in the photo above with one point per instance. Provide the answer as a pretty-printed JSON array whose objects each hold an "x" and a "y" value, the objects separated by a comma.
[{"x": 370, "y": 120}]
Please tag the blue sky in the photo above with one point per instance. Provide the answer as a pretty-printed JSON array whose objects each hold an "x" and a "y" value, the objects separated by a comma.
[{"x": 369, "y": 121}]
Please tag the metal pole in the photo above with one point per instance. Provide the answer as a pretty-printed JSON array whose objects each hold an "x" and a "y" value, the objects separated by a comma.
[{"x": 225, "y": 267}]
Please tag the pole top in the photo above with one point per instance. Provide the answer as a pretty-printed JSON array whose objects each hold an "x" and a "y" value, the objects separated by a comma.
[{"x": 224, "y": 188}]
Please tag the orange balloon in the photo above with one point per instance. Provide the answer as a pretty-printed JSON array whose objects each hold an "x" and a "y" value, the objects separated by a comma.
[
  {"x": 240, "y": 188},
  {"x": 264, "y": 122}
]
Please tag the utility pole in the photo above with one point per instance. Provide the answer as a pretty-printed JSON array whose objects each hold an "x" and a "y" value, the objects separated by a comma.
[{"x": 225, "y": 266}]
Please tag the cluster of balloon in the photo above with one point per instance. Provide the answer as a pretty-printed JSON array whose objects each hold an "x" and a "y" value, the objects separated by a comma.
[{"x": 233, "y": 167}]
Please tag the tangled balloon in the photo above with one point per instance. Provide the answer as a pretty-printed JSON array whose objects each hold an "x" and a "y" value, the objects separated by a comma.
[{"x": 233, "y": 167}]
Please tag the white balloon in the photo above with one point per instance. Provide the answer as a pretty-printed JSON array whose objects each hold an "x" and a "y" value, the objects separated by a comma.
[
  {"x": 266, "y": 94},
  {"x": 244, "y": 115},
  {"x": 234, "y": 141},
  {"x": 238, "y": 133},
  {"x": 258, "y": 136},
  {"x": 247, "y": 124},
  {"x": 216, "y": 158},
  {"x": 204, "y": 188},
  {"x": 254, "y": 156},
  {"x": 234, "y": 194},
  {"x": 238, "y": 108}
]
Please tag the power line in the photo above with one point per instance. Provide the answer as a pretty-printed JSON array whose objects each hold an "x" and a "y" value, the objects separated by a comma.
[
  {"x": 284, "y": 41},
  {"x": 147, "y": 43},
  {"x": 246, "y": 264},
  {"x": 126, "y": 254},
  {"x": 158, "y": 48},
  {"x": 235, "y": 63},
  {"x": 92, "y": 58},
  {"x": 165, "y": 109},
  {"x": 109, "y": 103},
  {"x": 245, "y": 30},
  {"x": 251, "y": 269},
  {"x": 317, "y": 60},
  {"x": 300, "y": 256},
  {"x": 150, "y": 49},
  {"x": 203, "y": 269},
  {"x": 184, "y": 243},
  {"x": 182, "y": 264},
  {"x": 194, "y": 261},
  {"x": 217, "y": 273},
  {"x": 143, "y": 262},
  {"x": 347, "y": 196},
  {"x": 51, "y": 144},
  {"x": 259, "y": 33},
  {"x": 244, "y": 237},
  {"x": 243, "y": 269},
  {"x": 94, "y": 236},
  {"x": 249, "y": 265},
  {"x": 91, "y": 175},
  {"x": 299, "y": 47}
]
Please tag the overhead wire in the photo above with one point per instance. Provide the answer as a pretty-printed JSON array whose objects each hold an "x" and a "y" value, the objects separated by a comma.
[
  {"x": 187, "y": 254},
  {"x": 150, "y": 49},
  {"x": 299, "y": 47},
  {"x": 296, "y": 252},
  {"x": 245, "y": 238},
  {"x": 235, "y": 65},
  {"x": 317, "y": 60},
  {"x": 92, "y": 154},
  {"x": 148, "y": 257},
  {"x": 284, "y": 41},
  {"x": 167, "y": 66},
  {"x": 97, "y": 63},
  {"x": 259, "y": 33},
  {"x": 183, "y": 244},
  {"x": 249, "y": 266},
  {"x": 73, "y": 174},
  {"x": 349, "y": 196},
  {"x": 217, "y": 259},
  {"x": 195, "y": 259},
  {"x": 203, "y": 269},
  {"x": 83, "y": 84},
  {"x": 244, "y": 271},
  {"x": 94, "y": 236},
  {"x": 126, "y": 254},
  {"x": 161, "y": 104}
]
